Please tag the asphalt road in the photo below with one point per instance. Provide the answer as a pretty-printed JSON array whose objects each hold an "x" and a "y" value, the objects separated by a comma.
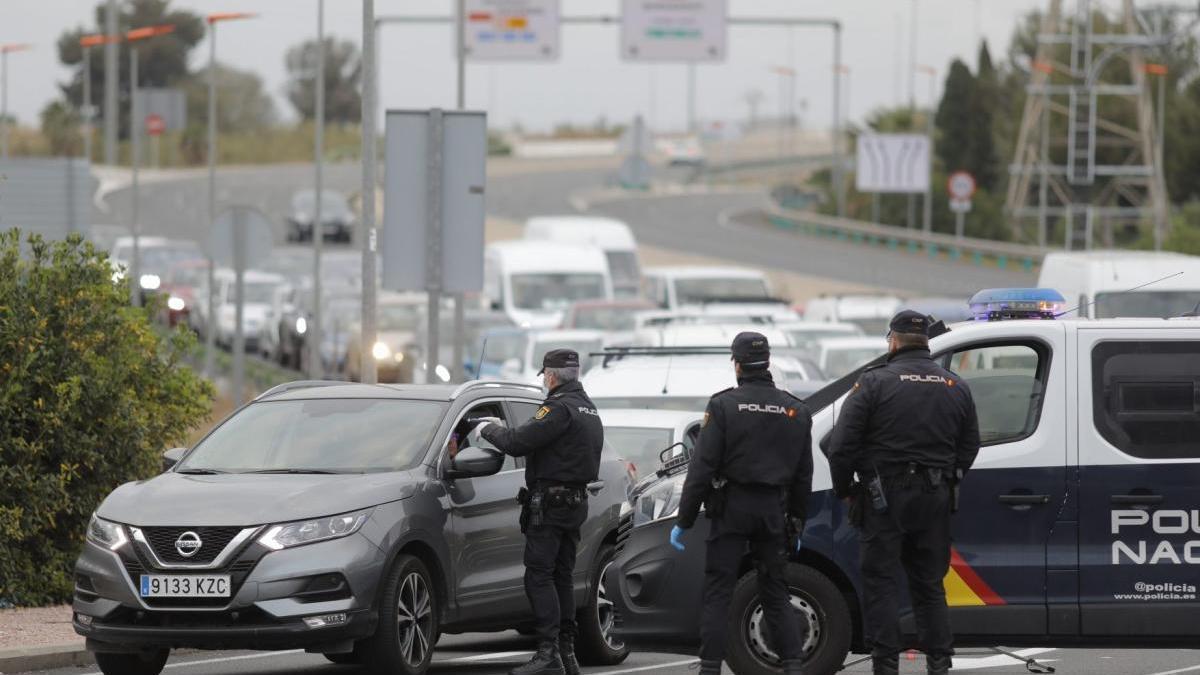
[
  {"x": 494, "y": 654},
  {"x": 698, "y": 224}
]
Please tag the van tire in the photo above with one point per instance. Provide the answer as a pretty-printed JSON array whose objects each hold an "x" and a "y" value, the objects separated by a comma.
[
  {"x": 149, "y": 663},
  {"x": 594, "y": 645},
  {"x": 819, "y": 601},
  {"x": 408, "y": 583}
]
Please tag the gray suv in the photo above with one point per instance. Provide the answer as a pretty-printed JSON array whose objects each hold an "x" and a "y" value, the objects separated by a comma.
[{"x": 331, "y": 517}]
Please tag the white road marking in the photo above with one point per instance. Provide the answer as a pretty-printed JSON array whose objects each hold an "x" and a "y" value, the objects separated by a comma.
[
  {"x": 486, "y": 657},
  {"x": 999, "y": 660},
  {"x": 1189, "y": 669},
  {"x": 640, "y": 669},
  {"x": 223, "y": 659}
]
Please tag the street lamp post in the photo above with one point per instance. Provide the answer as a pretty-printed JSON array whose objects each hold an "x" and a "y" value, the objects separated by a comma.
[
  {"x": 86, "y": 43},
  {"x": 210, "y": 346},
  {"x": 927, "y": 216},
  {"x": 5, "y": 50},
  {"x": 367, "y": 342},
  {"x": 135, "y": 136},
  {"x": 315, "y": 369}
]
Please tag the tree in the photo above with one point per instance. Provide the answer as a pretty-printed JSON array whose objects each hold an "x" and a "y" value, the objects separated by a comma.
[
  {"x": 90, "y": 393},
  {"x": 954, "y": 117},
  {"x": 242, "y": 106},
  {"x": 60, "y": 127},
  {"x": 343, "y": 75},
  {"x": 983, "y": 161},
  {"x": 163, "y": 60}
]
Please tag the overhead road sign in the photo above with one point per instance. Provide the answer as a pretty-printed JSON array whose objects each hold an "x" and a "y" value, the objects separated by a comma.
[
  {"x": 511, "y": 30},
  {"x": 674, "y": 30},
  {"x": 893, "y": 163}
]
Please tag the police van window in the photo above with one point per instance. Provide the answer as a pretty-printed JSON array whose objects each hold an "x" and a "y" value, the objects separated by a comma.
[
  {"x": 1007, "y": 382},
  {"x": 1144, "y": 397}
]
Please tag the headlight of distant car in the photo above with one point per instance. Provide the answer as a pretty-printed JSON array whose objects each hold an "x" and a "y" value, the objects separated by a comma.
[
  {"x": 301, "y": 325},
  {"x": 381, "y": 351},
  {"x": 659, "y": 501},
  {"x": 176, "y": 303},
  {"x": 104, "y": 533},
  {"x": 150, "y": 282},
  {"x": 303, "y": 532}
]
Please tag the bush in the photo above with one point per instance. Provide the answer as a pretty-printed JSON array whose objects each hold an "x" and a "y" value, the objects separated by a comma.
[{"x": 90, "y": 393}]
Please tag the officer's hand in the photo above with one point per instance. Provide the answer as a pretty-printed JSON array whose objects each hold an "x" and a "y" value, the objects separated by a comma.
[
  {"x": 491, "y": 420},
  {"x": 677, "y": 537},
  {"x": 795, "y": 530},
  {"x": 474, "y": 437}
]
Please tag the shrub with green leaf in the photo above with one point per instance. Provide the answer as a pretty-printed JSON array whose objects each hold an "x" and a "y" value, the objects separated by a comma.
[{"x": 91, "y": 391}]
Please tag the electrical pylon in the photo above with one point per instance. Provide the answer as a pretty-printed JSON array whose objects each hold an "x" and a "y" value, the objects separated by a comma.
[{"x": 1088, "y": 158}]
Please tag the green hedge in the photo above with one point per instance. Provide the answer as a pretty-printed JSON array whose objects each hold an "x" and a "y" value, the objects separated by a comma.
[{"x": 90, "y": 394}]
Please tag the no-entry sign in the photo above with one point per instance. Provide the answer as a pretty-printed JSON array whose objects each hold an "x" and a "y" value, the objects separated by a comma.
[{"x": 155, "y": 125}]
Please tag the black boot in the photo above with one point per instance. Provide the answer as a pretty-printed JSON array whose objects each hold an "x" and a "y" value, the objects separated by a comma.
[
  {"x": 793, "y": 667},
  {"x": 938, "y": 664},
  {"x": 710, "y": 667},
  {"x": 566, "y": 650},
  {"x": 545, "y": 662},
  {"x": 885, "y": 665}
]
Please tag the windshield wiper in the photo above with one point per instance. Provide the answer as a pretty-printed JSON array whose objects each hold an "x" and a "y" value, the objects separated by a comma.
[
  {"x": 201, "y": 472},
  {"x": 292, "y": 471}
]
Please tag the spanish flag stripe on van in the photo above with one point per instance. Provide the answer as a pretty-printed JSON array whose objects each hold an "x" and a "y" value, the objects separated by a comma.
[{"x": 964, "y": 588}]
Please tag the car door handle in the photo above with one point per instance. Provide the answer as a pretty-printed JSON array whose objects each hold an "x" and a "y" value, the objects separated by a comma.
[
  {"x": 1137, "y": 499},
  {"x": 1024, "y": 500}
]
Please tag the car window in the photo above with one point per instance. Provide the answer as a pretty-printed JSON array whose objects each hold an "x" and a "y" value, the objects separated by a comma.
[
  {"x": 640, "y": 446},
  {"x": 467, "y": 421},
  {"x": 340, "y": 435},
  {"x": 1007, "y": 382},
  {"x": 1144, "y": 397}
]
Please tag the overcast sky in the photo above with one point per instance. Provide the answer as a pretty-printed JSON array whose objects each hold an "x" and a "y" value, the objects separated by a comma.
[{"x": 589, "y": 80}]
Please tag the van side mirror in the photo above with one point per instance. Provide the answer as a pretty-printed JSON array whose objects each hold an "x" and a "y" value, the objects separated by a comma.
[
  {"x": 475, "y": 462},
  {"x": 171, "y": 457}
]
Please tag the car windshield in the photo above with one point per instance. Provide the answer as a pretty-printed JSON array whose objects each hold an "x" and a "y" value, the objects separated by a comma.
[
  {"x": 639, "y": 446},
  {"x": 872, "y": 326},
  {"x": 692, "y": 291},
  {"x": 345, "y": 435},
  {"x": 1160, "y": 304},
  {"x": 257, "y": 292},
  {"x": 684, "y": 403},
  {"x": 623, "y": 266},
  {"x": 187, "y": 275},
  {"x": 161, "y": 259},
  {"x": 582, "y": 347},
  {"x": 553, "y": 291},
  {"x": 838, "y": 362},
  {"x": 332, "y": 203},
  {"x": 605, "y": 318},
  {"x": 807, "y": 340},
  {"x": 399, "y": 317}
]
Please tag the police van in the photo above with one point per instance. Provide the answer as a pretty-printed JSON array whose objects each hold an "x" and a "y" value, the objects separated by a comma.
[{"x": 1079, "y": 523}]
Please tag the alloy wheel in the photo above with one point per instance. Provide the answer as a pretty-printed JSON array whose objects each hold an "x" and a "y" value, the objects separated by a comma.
[
  {"x": 605, "y": 614},
  {"x": 414, "y": 619}
]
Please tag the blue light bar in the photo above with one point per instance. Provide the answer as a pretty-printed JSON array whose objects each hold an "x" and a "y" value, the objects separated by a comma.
[{"x": 1006, "y": 304}]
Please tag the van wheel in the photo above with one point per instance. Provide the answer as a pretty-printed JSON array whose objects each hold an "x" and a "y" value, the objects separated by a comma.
[
  {"x": 596, "y": 644},
  {"x": 148, "y": 663},
  {"x": 820, "y": 606},
  {"x": 408, "y": 621}
]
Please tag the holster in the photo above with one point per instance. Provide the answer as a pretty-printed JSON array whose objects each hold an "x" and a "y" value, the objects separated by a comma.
[
  {"x": 523, "y": 500},
  {"x": 718, "y": 495},
  {"x": 855, "y": 513},
  {"x": 536, "y": 509}
]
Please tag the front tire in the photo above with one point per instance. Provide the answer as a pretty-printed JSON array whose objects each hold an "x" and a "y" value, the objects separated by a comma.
[
  {"x": 596, "y": 645},
  {"x": 408, "y": 621},
  {"x": 150, "y": 663},
  {"x": 818, "y": 602}
]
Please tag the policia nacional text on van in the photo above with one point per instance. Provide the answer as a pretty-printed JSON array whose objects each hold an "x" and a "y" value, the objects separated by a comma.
[
  {"x": 562, "y": 444},
  {"x": 753, "y": 471},
  {"x": 910, "y": 431}
]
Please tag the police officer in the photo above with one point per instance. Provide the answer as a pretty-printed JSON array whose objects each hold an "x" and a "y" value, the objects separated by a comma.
[
  {"x": 562, "y": 443},
  {"x": 908, "y": 429},
  {"x": 753, "y": 471}
]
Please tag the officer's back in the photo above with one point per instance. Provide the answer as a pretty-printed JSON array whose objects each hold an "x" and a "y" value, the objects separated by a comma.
[
  {"x": 574, "y": 458},
  {"x": 764, "y": 430}
]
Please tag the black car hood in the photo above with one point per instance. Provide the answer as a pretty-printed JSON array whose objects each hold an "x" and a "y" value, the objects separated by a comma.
[{"x": 175, "y": 499}]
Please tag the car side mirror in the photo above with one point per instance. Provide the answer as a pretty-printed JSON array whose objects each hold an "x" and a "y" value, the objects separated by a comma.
[
  {"x": 475, "y": 462},
  {"x": 171, "y": 457}
]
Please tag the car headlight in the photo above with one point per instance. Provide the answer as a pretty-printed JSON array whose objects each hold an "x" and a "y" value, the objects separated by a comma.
[
  {"x": 659, "y": 501},
  {"x": 301, "y": 326},
  {"x": 105, "y": 533},
  {"x": 303, "y": 532},
  {"x": 381, "y": 351},
  {"x": 150, "y": 282},
  {"x": 176, "y": 303}
]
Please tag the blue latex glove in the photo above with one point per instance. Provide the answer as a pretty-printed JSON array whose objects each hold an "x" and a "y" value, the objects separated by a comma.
[{"x": 676, "y": 537}]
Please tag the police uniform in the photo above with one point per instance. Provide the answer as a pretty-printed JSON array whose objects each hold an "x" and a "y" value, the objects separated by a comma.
[
  {"x": 561, "y": 444},
  {"x": 912, "y": 423},
  {"x": 753, "y": 471}
]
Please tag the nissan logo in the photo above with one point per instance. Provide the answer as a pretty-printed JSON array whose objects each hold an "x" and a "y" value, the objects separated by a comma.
[{"x": 188, "y": 544}]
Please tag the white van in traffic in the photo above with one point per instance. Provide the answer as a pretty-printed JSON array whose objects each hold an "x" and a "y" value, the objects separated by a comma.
[
  {"x": 676, "y": 288},
  {"x": 607, "y": 234},
  {"x": 1098, "y": 284},
  {"x": 534, "y": 282},
  {"x": 871, "y": 313}
]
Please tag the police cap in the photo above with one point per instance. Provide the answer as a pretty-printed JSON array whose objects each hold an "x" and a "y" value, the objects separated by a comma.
[
  {"x": 560, "y": 358},
  {"x": 910, "y": 322},
  {"x": 751, "y": 350}
]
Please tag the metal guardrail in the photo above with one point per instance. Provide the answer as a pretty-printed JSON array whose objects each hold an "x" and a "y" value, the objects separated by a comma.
[{"x": 1002, "y": 255}]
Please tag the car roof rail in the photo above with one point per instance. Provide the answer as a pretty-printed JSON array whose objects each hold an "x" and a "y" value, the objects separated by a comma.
[
  {"x": 297, "y": 384},
  {"x": 616, "y": 353},
  {"x": 475, "y": 384}
]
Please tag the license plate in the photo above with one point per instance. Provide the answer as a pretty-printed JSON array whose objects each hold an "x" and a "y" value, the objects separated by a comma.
[{"x": 194, "y": 586}]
